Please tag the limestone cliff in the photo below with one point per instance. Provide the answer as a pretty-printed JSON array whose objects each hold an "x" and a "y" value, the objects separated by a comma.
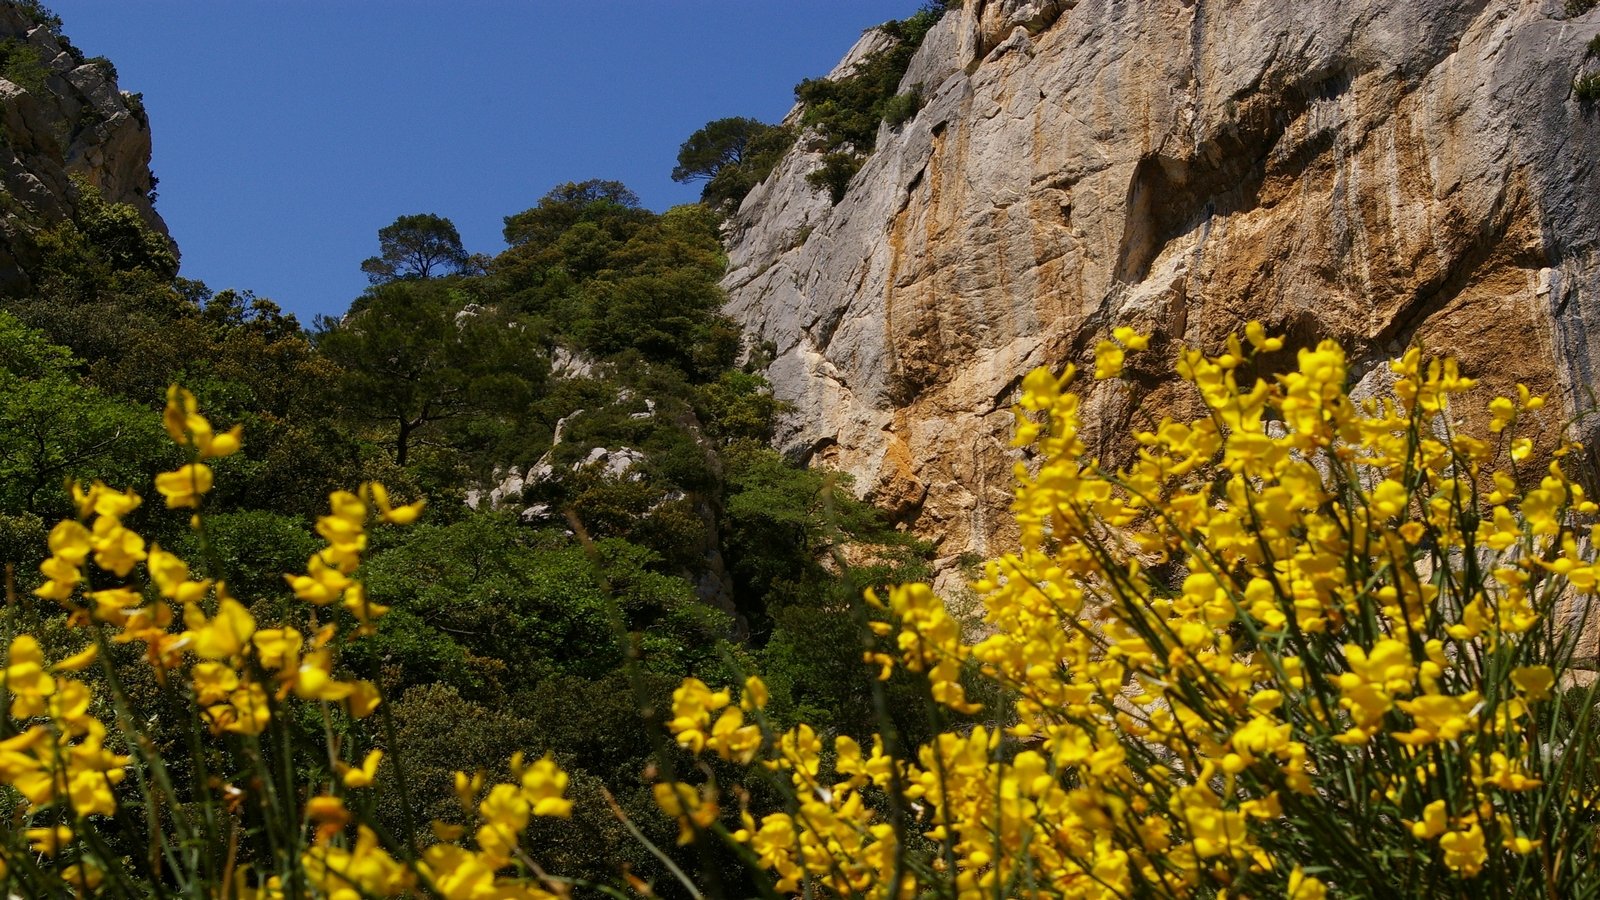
[
  {"x": 1376, "y": 171},
  {"x": 61, "y": 115}
]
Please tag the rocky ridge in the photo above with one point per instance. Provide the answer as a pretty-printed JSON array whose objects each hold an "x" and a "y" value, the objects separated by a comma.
[
  {"x": 1380, "y": 173},
  {"x": 62, "y": 116}
]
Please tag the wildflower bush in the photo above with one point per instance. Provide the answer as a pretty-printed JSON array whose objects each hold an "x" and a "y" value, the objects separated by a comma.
[
  {"x": 245, "y": 805},
  {"x": 1301, "y": 646}
]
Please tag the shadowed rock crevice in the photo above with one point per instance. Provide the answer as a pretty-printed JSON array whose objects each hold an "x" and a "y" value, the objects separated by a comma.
[{"x": 1172, "y": 195}]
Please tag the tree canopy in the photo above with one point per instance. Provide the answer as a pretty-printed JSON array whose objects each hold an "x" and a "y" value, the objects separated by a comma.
[
  {"x": 413, "y": 358},
  {"x": 731, "y": 156},
  {"x": 419, "y": 246}
]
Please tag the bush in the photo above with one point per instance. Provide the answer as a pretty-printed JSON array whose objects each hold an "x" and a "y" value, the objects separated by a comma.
[
  {"x": 902, "y": 108},
  {"x": 1587, "y": 87},
  {"x": 1300, "y": 646},
  {"x": 843, "y": 113},
  {"x": 23, "y": 65},
  {"x": 835, "y": 174}
]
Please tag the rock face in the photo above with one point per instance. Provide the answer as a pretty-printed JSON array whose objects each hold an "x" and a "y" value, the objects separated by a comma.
[
  {"x": 1380, "y": 172},
  {"x": 62, "y": 115}
]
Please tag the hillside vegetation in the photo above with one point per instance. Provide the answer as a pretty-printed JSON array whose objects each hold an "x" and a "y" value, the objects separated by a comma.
[{"x": 493, "y": 586}]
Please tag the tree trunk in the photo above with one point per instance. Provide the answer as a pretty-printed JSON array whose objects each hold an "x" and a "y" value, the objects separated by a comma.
[{"x": 401, "y": 443}]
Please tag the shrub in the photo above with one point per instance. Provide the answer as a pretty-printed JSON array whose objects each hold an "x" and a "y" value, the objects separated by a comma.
[
  {"x": 902, "y": 108},
  {"x": 835, "y": 174},
  {"x": 843, "y": 113},
  {"x": 23, "y": 65},
  {"x": 1587, "y": 87},
  {"x": 1301, "y": 646}
]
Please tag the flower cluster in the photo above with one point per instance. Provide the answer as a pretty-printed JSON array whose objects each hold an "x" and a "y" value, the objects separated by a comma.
[
  {"x": 366, "y": 868},
  {"x": 1300, "y": 646},
  {"x": 239, "y": 679}
]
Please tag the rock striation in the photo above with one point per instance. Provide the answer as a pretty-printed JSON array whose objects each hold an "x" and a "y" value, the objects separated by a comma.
[
  {"x": 1380, "y": 172},
  {"x": 62, "y": 116}
]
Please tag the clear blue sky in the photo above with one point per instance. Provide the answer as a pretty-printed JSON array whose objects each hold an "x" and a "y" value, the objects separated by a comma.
[{"x": 287, "y": 132}]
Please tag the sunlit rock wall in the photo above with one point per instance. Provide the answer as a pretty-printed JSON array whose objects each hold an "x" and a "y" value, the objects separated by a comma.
[{"x": 1376, "y": 171}]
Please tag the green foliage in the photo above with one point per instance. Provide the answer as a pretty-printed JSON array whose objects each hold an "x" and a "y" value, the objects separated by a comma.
[
  {"x": 120, "y": 235},
  {"x": 502, "y": 607},
  {"x": 254, "y": 547},
  {"x": 53, "y": 428},
  {"x": 835, "y": 173},
  {"x": 39, "y": 14},
  {"x": 1587, "y": 87},
  {"x": 843, "y": 113},
  {"x": 739, "y": 406},
  {"x": 23, "y": 64},
  {"x": 104, "y": 64},
  {"x": 419, "y": 246},
  {"x": 718, "y": 144},
  {"x": 784, "y": 526},
  {"x": 902, "y": 108},
  {"x": 1579, "y": 7},
  {"x": 606, "y": 202},
  {"x": 731, "y": 156},
  {"x": 104, "y": 239},
  {"x": 502, "y": 635},
  {"x": 612, "y": 279},
  {"x": 414, "y": 357}
]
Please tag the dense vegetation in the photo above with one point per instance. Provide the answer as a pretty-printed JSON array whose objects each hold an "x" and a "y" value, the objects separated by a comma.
[
  {"x": 839, "y": 118},
  {"x": 1300, "y": 646},
  {"x": 585, "y": 376},
  {"x": 842, "y": 115}
]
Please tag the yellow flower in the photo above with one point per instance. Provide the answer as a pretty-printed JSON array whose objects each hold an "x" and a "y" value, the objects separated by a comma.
[
  {"x": 213, "y": 682},
  {"x": 116, "y": 549},
  {"x": 1304, "y": 887},
  {"x": 755, "y": 694},
  {"x": 394, "y": 515},
  {"x": 692, "y": 705},
  {"x": 26, "y": 678},
  {"x": 69, "y": 542},
  {"x": 1108, "y": 358},
  {"x": 1257, "y": 336},
  {"x": 1435, "y": 820},
  {"x": 363, "y": 699},
  {"x": 1534, "y": 682},
  {"x": 322, "y": 584},
  {"x": 79, "y": 661},
  {"x": 48, "y": 841},
  {"x": 1464, "y": 851},
  {"x": 171, "y": 575},
  {"x": 366, "y": 774},
  {"x": 188, "y": 428},
  {"x": 278, "y": 648},
  {"x": 329, "y": 814},
  {"x": 691, "y": 808},
  {"x": 365, "y": 611},
  {"x": 1439, "y": 717},
  {"x": 221, "y": 637},
  {"x": 184, "y": 487},
  {"x": 543, "y": 785}
]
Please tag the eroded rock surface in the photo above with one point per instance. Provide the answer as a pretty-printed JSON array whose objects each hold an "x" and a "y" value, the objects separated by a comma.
[
  {"x": 63, "y": 116},
  {"x": 1379, "y": 172}
]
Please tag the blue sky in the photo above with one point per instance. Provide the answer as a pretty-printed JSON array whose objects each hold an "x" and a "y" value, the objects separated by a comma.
[{"x": 287, "y": 132}]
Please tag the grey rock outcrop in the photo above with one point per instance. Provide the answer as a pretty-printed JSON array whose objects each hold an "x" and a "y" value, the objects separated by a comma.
[
  {"x": 63, "y": 116},
  {"x": 1376, "y": 171}
]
